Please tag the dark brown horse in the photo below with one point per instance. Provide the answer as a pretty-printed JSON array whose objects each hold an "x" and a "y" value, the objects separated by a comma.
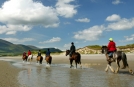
[
  {"x": 39, "y": 59},
  {"x": 48, "y": 59},
  {"x": 24, "y": 58},
  {"x": 75, "y": 56},
  {"x": 117, "y": 57}
]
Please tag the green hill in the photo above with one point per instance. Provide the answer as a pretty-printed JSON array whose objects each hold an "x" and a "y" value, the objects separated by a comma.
[{"x": 10, "y": 49}]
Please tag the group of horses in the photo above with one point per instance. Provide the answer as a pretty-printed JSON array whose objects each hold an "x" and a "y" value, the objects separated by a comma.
[
  {"x": 76, "y": 56},
  {"x": 39, "y": 59}
]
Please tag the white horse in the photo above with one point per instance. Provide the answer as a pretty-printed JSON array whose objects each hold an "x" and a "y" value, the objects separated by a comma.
[{"x": 30, "y": 58}]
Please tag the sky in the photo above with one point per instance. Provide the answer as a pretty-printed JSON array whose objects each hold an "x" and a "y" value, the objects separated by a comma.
[{"x": 57, "y": 23}]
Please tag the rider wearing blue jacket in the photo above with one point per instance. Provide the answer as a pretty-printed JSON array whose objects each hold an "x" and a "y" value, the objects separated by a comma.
[{"x": 48, "y": 52}]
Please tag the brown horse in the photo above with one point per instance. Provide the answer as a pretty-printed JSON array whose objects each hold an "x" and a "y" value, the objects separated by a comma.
[
  {"x": 39, "y": 59},
  {"x": 24, "y": 58},
  {"x": 75, "y": 56},
  {"x": 117, "y": 56},
  {"x": 48, "y": 59}
]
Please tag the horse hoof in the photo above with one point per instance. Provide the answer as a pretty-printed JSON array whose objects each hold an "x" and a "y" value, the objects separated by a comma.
[
  {"x": 106, "y": 70},
  {"x": 114, "y": 71},
  {"x": 132, "y": 73}
]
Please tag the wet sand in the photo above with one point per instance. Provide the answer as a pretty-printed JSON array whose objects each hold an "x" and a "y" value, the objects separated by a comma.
[
  {"x": 59, "y": 74},
  {"x": 8, "y": 75}
]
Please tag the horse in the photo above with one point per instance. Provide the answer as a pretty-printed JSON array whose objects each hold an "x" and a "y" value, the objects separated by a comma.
[
  {"x": 24, "y": 58},
  {"x": 39, "y": 59},
  {"x": 117, "y": 57},
  {"x": 75, "y": 56},
  {"x": 48, "y": 59},
  {"x": 30, "y": 58}
]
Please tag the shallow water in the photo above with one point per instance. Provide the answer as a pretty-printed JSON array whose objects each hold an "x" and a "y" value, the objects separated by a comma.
[{"x": 60, "y": 75}]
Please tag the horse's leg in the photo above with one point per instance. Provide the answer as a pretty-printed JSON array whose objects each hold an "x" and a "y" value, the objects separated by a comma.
[
  {"x": 107, "y": 68},
  {"x": 108, "y": 62},
  {"x": 76, "y": 63},
  {"x": 71, "y": 61},
  {"x": 80, "y": 64},
  {"x": 50, "y": 61},
  {"x": 130, "y": 70},
  {"x": 41, "y": 60},
  {"x": 111, "y": 67},
  {"x": 118, "y": 65}
]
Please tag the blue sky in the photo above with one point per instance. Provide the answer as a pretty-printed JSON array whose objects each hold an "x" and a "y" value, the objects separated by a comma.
[{"x": 57, "y": 23}]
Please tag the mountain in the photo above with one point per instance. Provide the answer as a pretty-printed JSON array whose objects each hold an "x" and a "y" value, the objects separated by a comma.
[{"x": 8, "y": 48}]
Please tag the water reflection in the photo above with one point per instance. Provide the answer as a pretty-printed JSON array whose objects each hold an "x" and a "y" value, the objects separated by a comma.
[{"x": 74, "y": 78}]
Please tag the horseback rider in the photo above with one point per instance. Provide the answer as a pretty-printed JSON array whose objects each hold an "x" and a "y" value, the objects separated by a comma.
[
  {"x": 48, "y": 52},
  {"x": 29, "y": 52},
  {"x": 39, "y": 53},
  {"x": 24, "y": 54},
  {"x": 111, "y": 49},
  {"x": 72, "y": 49}
]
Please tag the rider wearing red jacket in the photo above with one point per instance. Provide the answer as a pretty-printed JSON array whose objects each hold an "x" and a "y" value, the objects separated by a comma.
[
  {"x": 29, "y": 53},
  {"x": 111, "y": 47}
]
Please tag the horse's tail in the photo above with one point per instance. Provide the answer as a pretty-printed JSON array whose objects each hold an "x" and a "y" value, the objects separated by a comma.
[
  {"x": 124, "y": 59},
  {"x": 79, "y": 58}
]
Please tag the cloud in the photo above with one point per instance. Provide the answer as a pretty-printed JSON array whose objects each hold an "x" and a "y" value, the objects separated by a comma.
[
  {"x": 54, "y": 39},
  {"x": 16, "y": 40},
  {"x": 115, "y": 2},
  {"x": 83, "y": 20},
  {"x": 67, "y": 45},
  {"x": 90, "y": 34},
  {"x": 113, "y": 17},
  {"x": 122, "y": 24},
  {"x": 27, "y": 13},
  {"x": 128, "y": 38},
  {"x": 12, "y": 29},
  {"x": 65, "y": 9}
]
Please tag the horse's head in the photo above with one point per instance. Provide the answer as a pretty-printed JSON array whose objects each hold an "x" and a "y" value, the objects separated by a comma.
[
  {"x": 105, "y": 49},
  {"x": 67, "y": 52}
]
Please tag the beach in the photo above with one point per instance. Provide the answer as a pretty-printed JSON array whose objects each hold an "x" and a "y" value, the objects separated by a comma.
[
  {"x": 15, "y": 73},
  {"x": 8, "y": 75}
]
